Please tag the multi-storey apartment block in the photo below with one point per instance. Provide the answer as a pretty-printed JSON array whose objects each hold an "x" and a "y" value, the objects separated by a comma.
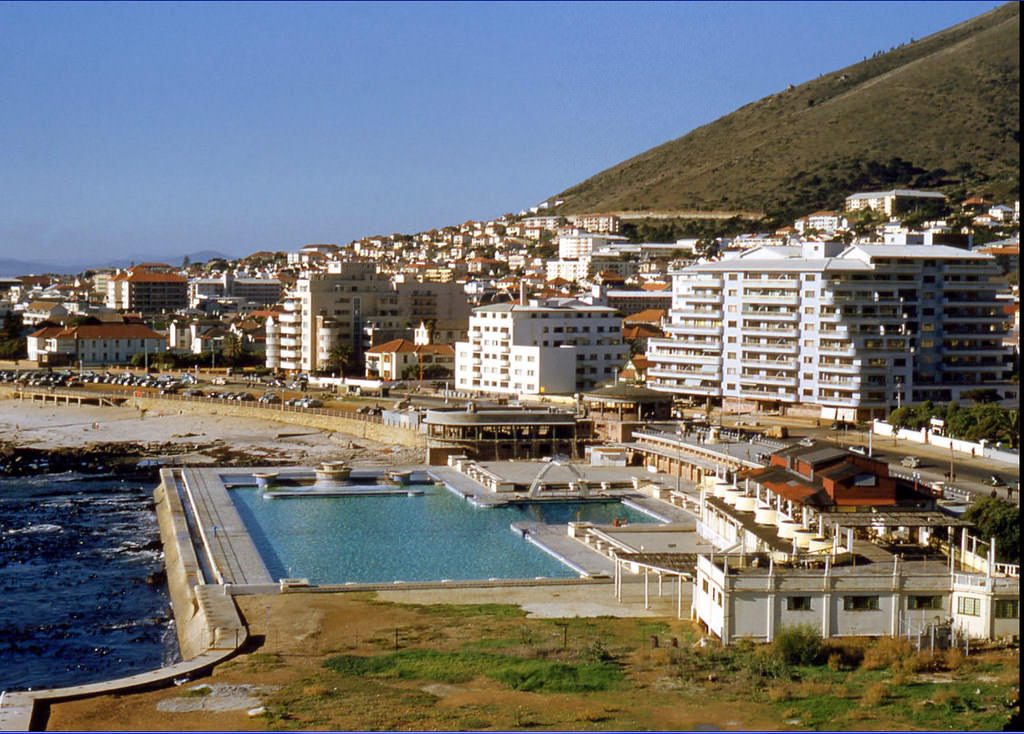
[
  {"x": 147, "y": 292},
  {"x": 354, "y": 305},
  {"x": 855, "y": 330},
  {"x": 259, "y": 291},
  {"x": 555, "y": 345},
  {"x": 324, "y": 311}
]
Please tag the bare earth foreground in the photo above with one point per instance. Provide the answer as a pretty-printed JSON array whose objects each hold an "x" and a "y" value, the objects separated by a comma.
[{"x": 280, "y": 682}]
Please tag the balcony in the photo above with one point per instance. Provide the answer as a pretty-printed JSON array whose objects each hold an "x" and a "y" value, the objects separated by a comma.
[
  {"x": 789, "y": 299},
  {"x": 841, "y": 367},
  {"x": 700, "y": 297},
  {"x": 683, "y": 358},
  {"x": 839, "y": 384},
  {"x": 771, "y": 314},
  {"x": 694, "y": 329},
  {"x": 663, "y": 382},
  {"x": 771, "y": 348},
  {"x": 775, "y": 379},
  {"x": 769, "y": 331},
  {"x": 752, "y": 283},
  {"x": 768, "y": 364},
  {"x": 690, "y": 312},
  {"x": 785, "y": 397},
  {"x": 839, "y": 401}
]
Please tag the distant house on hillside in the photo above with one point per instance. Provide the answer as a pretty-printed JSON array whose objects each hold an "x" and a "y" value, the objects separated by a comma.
[{"x": 893, "y": 201}]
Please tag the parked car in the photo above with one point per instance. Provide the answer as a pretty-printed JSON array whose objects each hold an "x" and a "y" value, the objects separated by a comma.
[
  {"x": 842, "y": 426},
  {"x": 996, "y": 481},
  {"x": 269, "y": 398},
  {"x": 859, "y": 450},
  {"x": 911, "y": 462}
]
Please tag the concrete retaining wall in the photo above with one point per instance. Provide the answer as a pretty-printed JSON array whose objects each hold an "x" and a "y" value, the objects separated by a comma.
[
  {"x": 183, "y": 573},
  {"x": 351, "y": 427}
]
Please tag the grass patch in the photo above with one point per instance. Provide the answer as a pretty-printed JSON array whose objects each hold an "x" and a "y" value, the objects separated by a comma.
[
  {"x": 498, "y": 611},
  {"x": 256, "y": 662},
  {"x": 197, "y": 692},
  {"x": 549, "y": 676}
]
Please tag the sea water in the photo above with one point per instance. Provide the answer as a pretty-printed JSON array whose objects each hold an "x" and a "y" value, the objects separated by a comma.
[
  {"x": 431, "y": 536},
  {"x": 82, "y": 598}
]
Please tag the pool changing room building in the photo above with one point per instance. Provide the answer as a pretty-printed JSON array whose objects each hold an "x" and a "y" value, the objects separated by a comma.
[{"x": 827, "y": 538}]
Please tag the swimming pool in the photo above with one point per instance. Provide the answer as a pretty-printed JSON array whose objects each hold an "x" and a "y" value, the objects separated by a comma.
[{"x": 427, "y": 537}]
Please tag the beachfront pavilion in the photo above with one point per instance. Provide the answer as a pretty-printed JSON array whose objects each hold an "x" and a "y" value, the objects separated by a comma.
[
  {"x": 497, "y": 435},
  {"x": 617, "y": 409}
]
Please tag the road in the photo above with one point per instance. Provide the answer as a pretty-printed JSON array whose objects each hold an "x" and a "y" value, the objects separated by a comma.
[{"x": 972, "y": 474}]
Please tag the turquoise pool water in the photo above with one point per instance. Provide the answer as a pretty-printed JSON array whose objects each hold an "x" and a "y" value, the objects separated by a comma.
[{"x": 428, "y": 537}]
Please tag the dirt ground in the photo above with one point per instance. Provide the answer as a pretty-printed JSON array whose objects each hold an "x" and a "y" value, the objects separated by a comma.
[{"x": 296, "y": 632}]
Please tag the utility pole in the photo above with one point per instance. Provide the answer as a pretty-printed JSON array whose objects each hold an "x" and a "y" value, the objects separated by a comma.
[{"x": 952, "y": 472}]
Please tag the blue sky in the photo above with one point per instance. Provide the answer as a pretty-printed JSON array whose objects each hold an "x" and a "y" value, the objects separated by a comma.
[{"x": 169, "y": 128}]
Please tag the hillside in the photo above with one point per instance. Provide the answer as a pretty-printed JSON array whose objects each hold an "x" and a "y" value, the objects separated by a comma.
[{"x": 941, "y": 112}]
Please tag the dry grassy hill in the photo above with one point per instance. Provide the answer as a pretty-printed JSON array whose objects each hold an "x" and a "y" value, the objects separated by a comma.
[{"x": 941, "y": 112}]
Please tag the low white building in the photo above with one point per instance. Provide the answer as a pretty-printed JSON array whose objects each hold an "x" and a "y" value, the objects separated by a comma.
[
  {"x": 735, "y": 599},
  {"x": 91, "y": 344}
]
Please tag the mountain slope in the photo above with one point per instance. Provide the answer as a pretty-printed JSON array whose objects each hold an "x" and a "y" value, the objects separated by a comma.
[{"x": 941, "y": 112}]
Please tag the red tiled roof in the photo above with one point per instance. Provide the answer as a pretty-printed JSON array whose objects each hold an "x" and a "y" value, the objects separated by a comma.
[
  {"x": 654, "y": 287},
  {"x": 440, "y": 349},
  {"x": 100, "y": 331},
  {"x": 647, "y": 316},
  {"x": 145, "y": 276},
  {"x": 395, "y": 345}
]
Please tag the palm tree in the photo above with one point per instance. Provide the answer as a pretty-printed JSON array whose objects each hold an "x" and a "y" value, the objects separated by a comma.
[{"x": 340, "y": 359}]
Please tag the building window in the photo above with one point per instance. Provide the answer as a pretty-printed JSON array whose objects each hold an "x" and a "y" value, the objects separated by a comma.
[
  {"x": 704, "y": 585},
  {"x": 924, "y": 602},
  {"x": 1007, "y": 608},
  {"x": 798, "y": 603},
  {"x": 860, "y": 603},
  {"x": 969, "y": 605}
]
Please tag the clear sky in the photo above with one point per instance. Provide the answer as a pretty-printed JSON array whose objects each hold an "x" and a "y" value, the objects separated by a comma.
[{"x": 159, "y": 129}]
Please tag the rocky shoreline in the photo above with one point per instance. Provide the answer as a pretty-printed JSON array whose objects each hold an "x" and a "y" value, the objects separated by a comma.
[{"x": 116, "y": 458}]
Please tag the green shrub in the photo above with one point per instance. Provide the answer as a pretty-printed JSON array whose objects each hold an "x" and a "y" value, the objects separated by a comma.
[{"x": 798, "y": 645}]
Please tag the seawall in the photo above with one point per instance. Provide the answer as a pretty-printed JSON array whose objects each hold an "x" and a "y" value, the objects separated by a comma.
[{"x": 311, "y": 419}]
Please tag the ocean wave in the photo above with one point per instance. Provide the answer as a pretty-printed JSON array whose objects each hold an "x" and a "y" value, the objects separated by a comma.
[{"x": 41, "y": 528}]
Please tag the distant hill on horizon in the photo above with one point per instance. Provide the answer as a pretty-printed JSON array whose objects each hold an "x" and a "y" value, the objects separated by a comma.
[
  {"x": 10, "y": 267},
  {"x": 939, "y": 113}
]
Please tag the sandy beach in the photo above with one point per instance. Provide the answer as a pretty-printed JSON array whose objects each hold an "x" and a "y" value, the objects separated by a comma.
[{"x": 194, "y": 439}]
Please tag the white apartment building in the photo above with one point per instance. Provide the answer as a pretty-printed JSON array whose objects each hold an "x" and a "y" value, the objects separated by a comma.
[
  {"x": 556, "y": 345},
  {"x": 578, "y": 244},
  {"x": 892, "y": 201},
  {"x": 259, "y": 291},
  {"x": 855, "y": 330},
  {"x": 596, "y": 222},
  {"x": 324, "y": 311}
]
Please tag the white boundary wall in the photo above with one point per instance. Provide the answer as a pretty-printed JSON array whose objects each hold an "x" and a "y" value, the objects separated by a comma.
[{"x": 980, "y": 449}]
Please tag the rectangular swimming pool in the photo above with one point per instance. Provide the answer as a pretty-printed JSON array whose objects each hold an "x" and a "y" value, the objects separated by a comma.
[{"x": 431, "y": 536}]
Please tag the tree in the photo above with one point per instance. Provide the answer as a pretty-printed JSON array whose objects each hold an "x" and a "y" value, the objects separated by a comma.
[
  {"x": 707, "y": 247},
  {"x": 341, "y": 360},
  {"x": 232, "y": 349},
  {"x": 999, "y": 519}
]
